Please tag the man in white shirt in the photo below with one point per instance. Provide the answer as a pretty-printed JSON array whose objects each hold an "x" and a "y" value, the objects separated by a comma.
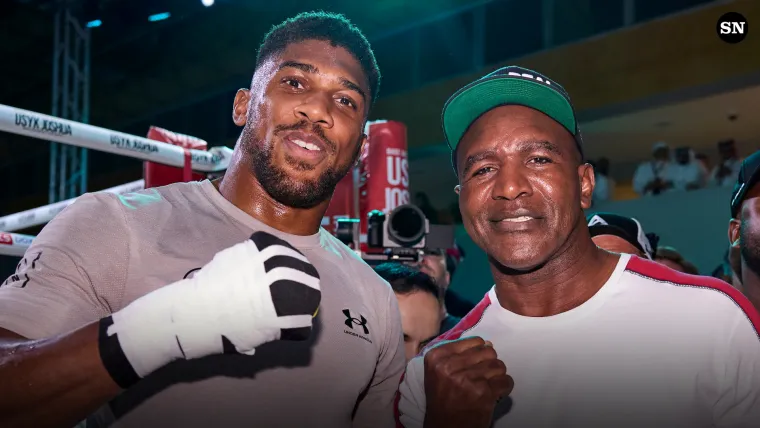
[
  {"x": 652, "y": 177},
  {"x": 570, "y": 335},
  {"x": 686, "y": 173},
  {"x": 726, "y": 171}
]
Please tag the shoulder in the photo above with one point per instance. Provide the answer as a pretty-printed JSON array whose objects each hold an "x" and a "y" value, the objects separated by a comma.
[
  {"x": 346, "y": 258},
  {"x": 465, "y": 325},
  {"x": 89, "y": 215},
  {"x": 158, "y": 198},
  {"x": 690, "y": 293}
]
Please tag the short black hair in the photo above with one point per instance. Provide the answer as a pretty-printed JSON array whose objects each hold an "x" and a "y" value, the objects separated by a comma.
[
  {"x": 405, "y": 279},
  {"x": 326, "y": 26}
]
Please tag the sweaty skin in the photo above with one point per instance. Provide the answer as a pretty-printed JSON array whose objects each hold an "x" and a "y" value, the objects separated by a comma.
[{"x": 522, "y": 192}]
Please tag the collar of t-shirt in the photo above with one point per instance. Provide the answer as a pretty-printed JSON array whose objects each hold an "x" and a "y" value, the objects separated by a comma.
[
  {"x": 216, "y": 198},
  {"x": 608, "y": 290}
]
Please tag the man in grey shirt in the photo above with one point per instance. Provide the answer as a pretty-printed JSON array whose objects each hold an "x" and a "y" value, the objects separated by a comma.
[{"x": 154, "y": 309}]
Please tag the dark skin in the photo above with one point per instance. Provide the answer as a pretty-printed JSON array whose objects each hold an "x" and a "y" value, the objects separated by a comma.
[
  {"x": 59, "y": 381},
  {"x": 517, "y": 162},
  {"x": 744, "y": 260},
  {"x": 522, "y": 192},
  {"x": 324, "y": 86}
]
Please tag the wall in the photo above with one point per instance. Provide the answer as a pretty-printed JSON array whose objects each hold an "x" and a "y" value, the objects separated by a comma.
[
  {"x": 695, "y": 223},
  {"x": 633, "y": 64}
]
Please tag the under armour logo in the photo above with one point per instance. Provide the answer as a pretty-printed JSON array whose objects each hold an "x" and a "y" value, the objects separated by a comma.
[{"x": 350, "y": 321}]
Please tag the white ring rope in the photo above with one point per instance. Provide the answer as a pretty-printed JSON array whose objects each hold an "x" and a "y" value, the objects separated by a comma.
[
  {"x": 14, "y": 244},
  {"x": 42, "y": 215},
  {"x": 50, "y": 128}
]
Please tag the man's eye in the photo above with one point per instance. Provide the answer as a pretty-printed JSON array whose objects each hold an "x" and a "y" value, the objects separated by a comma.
[
  {"x": 541, "y": 160},
  {"x": 294, "y": 83},
  {"x": 347, "y": 102},
  {"x": 482, "y": 171}
]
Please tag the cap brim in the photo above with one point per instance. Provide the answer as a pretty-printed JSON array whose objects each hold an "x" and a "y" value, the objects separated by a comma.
[{"x": 470, "y": 102}]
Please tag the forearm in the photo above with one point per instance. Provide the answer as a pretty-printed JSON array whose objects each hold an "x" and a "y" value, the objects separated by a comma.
[{"x": 54, "y": 382}]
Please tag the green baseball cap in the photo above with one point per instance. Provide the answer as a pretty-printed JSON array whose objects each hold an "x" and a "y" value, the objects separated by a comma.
[{"x": 511, "y": 85}]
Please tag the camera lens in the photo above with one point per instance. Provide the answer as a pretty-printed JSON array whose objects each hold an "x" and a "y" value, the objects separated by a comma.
[{"x": 406, "y": 225}]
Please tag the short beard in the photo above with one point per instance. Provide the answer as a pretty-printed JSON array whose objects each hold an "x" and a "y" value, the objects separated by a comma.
[
  {"x": 750, "y": 249},
  {"x": 285, "y": 189}
]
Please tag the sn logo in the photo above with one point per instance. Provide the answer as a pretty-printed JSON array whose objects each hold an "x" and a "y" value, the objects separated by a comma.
[{"x": 732, "y": 27}]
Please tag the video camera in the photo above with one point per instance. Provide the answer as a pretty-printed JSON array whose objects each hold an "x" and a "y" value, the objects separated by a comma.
[{"x": 403, "y": 235}]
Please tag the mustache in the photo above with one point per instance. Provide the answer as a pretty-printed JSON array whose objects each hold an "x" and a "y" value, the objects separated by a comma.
[{"x": 304, "y": 126}]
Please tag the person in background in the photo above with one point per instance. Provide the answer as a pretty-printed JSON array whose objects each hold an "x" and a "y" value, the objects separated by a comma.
[
  {"x": 704, "y": 160},
  {"x": 422, "y": 202},
  {"x": 744, "y": 228},
  {"x": 652, "y": 177},
  {"x": 686, "y": 173},
  {"x": 419, "y": 302},
  {"x": 670, "y": 257},
  {"x": 441, "y": 266},
  {"x": 724, "y": 272},
  {"x": 726, "y": 171},
  {"x": 619, "y": 234},
  {"x": 605, "y": 185}
]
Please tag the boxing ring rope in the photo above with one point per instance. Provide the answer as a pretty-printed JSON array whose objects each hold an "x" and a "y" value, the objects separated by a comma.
[
  {"x": 42, "y": 215},
  {"x": 50, "y": 128}
]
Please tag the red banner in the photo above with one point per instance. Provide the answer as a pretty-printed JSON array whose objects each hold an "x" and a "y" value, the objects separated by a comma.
[
  {"x": 384, "y": 170},
  {"x": 156, "y": 174}
]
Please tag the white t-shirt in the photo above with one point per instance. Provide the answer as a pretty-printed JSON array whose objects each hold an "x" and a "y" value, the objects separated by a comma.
[
  {"x": 653, "y": 348},
  {"x": 735, "y": 165},
  {"x": 647, "y": 172},
  {"x": 683, "y": 176}
]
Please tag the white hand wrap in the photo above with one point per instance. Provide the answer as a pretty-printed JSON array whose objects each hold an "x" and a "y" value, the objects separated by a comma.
[{"x": 254, "y": 292}]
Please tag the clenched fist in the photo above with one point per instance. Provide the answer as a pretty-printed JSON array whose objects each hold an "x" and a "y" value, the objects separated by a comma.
[{"x": 464, "y": 380}]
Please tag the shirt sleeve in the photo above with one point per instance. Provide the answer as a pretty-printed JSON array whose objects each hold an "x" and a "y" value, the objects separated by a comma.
[
  {"x": 72, "y": 274},
  {"x": 738, "y": 404},
  {"x": 410, "y": 400},
  {"x": 376, "y": 408}
]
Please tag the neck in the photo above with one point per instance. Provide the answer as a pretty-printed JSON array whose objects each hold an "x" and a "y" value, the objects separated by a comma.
[
  {"x": 241, "y": 187},
  {"x": 750, "y": 285},
  {"x": 566, "y": 281}
]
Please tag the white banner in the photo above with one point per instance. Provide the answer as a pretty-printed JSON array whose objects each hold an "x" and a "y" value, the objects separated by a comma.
[
  {"x": 49, "y": 128},
  {"x": 42, "y": 215},
  {"x": 14, "y": 244}
]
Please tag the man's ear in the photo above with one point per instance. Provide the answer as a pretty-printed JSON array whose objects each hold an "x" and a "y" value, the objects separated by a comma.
[
  {"x": 587, "y": 181},
  {"x": 362, "y": 148},
  {"x": 734, "y": 232},
  {"x": 240, "y": 107}
]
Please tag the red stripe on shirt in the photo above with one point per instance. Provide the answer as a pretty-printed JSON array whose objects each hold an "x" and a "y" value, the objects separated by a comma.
[
  {"x": 469, "y": 321},
  {"x": 658, "y": 272}
]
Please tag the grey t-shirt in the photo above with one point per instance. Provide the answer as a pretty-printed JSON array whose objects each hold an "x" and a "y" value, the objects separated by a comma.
[{"x": 104, "y": 251}]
